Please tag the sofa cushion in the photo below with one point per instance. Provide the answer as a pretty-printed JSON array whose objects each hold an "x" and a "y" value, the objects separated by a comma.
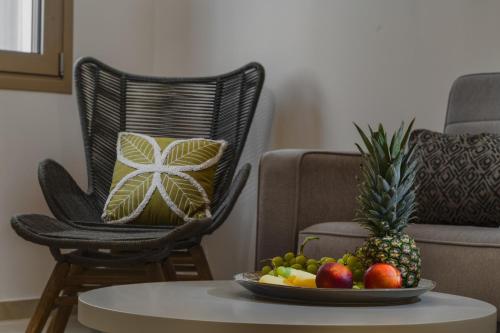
[
  {"x": 458, "y": 178},
  {"x": 423, "y": 233},
  {"x": 463, "y": 260}
]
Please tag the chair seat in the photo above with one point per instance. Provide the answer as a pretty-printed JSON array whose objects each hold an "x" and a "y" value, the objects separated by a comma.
[{"x": 48, "y": 231}]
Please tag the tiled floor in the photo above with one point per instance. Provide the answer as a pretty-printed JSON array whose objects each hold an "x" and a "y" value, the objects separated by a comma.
[{"x": 18, "y": 326}]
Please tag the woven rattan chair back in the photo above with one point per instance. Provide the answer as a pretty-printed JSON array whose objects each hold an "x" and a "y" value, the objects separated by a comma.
[{"x": 111, "y": 101}]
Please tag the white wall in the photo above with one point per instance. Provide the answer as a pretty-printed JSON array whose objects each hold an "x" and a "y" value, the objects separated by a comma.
[
  {"x": 34, "y": 126},
  {"x": 329, "y": 62}
]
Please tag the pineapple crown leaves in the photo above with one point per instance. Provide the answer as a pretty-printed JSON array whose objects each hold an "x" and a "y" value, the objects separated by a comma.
[{"x": 387, "y": 198}]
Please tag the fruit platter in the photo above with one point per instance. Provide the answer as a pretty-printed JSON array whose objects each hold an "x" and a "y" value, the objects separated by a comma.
[
  {"x": 386, "y": 269},
  {"x": 328, "y": 281},
  {"x": 333, "y": 296}
]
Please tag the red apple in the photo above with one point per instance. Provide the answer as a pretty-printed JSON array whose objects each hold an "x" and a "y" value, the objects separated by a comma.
[
  {"x": 383, "y": 276},
  {"x": 334, "y": 275}
]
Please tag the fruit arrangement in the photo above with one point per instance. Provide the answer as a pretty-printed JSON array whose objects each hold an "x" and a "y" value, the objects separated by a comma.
[
  {"x": 389, "y": 258},
  {"x": 346, "y": 272},
  {"x": 300, "y": 271}
]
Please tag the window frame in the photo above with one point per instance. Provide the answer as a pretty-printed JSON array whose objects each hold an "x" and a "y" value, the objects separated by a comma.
[{"x": 51, "y": 70}]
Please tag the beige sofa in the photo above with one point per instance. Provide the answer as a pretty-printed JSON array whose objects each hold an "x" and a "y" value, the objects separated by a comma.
[{"x": 304, "y": 193}]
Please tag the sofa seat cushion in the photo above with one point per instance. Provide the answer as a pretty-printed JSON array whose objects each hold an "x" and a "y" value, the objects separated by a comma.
[{"x": 423, "y": 233}]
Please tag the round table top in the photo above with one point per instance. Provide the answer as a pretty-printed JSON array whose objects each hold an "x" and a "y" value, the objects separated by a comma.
[{"x": 224, "y": 306}]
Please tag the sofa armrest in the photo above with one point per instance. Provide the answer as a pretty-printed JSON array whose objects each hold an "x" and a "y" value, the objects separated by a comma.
[{"x": 299, "y": 188}]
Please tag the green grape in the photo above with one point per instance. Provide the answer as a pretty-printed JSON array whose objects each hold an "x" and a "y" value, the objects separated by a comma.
[
  {"x": 358, "y": 274},
  {"x": 283, "y": 271},
  {"x": 355, "y": 265},
  {"x": 277, "y": 261},
  {"x": 352, "y": 260},
  {"x": 311, "y": 262},
  {"x": 358, "y": 285},
  {"x": 297, "y": 266},
  {"x": 286, "y": 264},
  {"x": 312, "y": 268},
  {"x": 301, "y": 260},
  {"x": 324, "y": 260},
  {"x": 266, "y": 269},
  {"x": 288, "y": 256},
  {"x": 292, "y": 261},
  {"x": 341, "y": 261}
]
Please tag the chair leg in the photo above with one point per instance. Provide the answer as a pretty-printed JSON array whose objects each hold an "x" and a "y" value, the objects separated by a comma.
[
  {"x": 155, "y": 272},
  {"x": 201, "y": 263},
  {"x": 60, "y": 319},
  {"x": 49, "y": 295},
  {"x": 169, "y": 270},
  {"x": 61, "y": 316}
]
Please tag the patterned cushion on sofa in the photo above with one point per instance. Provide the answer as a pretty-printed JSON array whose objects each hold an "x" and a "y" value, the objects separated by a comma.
[{"x": 458, "y": 178}]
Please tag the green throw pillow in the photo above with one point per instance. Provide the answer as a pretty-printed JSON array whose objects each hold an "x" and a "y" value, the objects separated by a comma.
[{"x": 162, "y": 180}]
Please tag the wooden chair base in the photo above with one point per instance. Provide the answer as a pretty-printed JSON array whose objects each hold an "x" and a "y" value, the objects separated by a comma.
[
  {"x": 187, "y": 265},
  {"x": 67, "y": 280}
]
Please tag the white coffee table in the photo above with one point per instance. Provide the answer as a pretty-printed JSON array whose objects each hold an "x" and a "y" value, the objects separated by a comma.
[{"x": 224, "y": 306}]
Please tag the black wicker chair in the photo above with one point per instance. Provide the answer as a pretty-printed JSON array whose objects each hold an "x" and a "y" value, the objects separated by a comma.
[{"x": 91, "y": 254}]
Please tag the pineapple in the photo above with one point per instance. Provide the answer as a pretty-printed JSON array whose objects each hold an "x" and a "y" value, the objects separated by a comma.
[{"x": 387, "y": 202}]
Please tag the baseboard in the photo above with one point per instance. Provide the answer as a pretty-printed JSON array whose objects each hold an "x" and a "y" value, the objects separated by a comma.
[{"x": 19, "y": 309}]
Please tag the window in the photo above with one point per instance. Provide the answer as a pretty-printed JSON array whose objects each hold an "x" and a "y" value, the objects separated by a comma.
[{"x": 36, "y": 45}]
